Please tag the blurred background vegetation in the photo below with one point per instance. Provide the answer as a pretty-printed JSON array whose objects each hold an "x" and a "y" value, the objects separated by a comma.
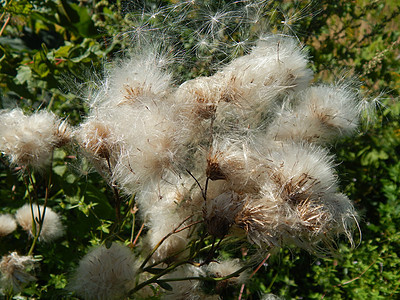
[{"x": 52, "y": 52}]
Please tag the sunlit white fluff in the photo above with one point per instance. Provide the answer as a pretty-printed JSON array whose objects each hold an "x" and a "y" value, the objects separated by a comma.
[
  {"x": 52, "y": 227},
  {"x": 105, "y": 273},
  {"x": 227, "y": 267},
  {"x": 186, "y": 289},
  {"x": 197, "y": 101},
  {"x": 293, "y": 206},
  {"x": 334, "y": 106},
  {"x": 323, "y": 113},
  {"x": 153, "y": 144},
  {"x": 165, "y": 206},
  {"x": 302, "y": 170},
  {"x": 254, "y": 82},
  {"x": 138, "y": 78},
  {"x": 235, "y": 162},
  {"x": 7, "y": 224},
  {"x": 342, "y": 215},
  {"x": 242, "y": 93},
  {"x": 30, "y": 140},
  {"x": 97, "y": 137}
]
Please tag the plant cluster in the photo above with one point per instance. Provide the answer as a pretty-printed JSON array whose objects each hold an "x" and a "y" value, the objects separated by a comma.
[{"x": 211, "y": 145}]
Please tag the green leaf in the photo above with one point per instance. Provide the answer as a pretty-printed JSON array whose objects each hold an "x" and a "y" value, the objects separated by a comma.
[
  {"x": 24, "y": 74},
  {"x": 20, "y": 7},
  {"x": 77, "y": 18},
  {"x": 60, "y": 170},
  {"x": 154, "y": 270},
  {"x": 164, "y": 285}
]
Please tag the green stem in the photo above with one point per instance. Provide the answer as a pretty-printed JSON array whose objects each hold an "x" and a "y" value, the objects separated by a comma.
[
  {"x": 176, "y": 230},
  {"x": 41, "y": 215},
  {"x": 154, "y": 279},
  {"x": 234, "y": 274}
]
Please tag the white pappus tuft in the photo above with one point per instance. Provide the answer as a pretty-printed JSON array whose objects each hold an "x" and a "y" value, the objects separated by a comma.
[
  {"x": 15, "y": 270},
  {"x": 30, "y": 140},
  {"x": 105, "y": 273},
  {"x": 7, "y": 224},
  {"x": 52, "y": 227},
  {"x": 323, "y": 113}
]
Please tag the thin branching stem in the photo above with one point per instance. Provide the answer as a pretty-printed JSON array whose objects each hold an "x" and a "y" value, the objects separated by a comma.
[
  {"x": 198, "y": 183},
  {"x": 41, "y": 215},
  {"x": 155, "y": 278},
  {"x": 164, "y": 238},
  {"x": 215, "y": 279},
  {"x": 138, "y": 234}
]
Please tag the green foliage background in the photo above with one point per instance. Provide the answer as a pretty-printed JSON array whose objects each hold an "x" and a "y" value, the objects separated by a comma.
[{"x": 50, "y": 51}]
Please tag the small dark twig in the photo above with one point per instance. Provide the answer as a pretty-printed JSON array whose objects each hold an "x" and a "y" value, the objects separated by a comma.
[
  {"x": 198, "y": 183},
  {"x": 165, "y": 237}
]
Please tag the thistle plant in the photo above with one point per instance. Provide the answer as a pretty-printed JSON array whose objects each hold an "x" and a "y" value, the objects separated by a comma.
[{"x": 238, "y": 157}]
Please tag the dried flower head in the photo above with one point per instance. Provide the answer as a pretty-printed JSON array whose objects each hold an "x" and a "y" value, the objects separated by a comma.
[
  {"x": 96, "y": 138},
  {"x": 64, "y": 134},
  {"x": 165, "y": 206},
  {"x": 237, "y": 164},
  {"x": 52, "y": 227},
  {"x": 298, "y": 203},
  {"x": 15, "y": 271},
  {"x": 220, "y": 213},
  {"x": 30, "y": 140},
  {"x": 7, "y": 224},
  {"x": 275, "y": 68},
  {"x": 105, "y": 273},
  {"x": 323, "y": 113},
  {"x": 300, "y": 172},
  {"x": 138, "y": 79},
  {"x": 224, "y": 268}
]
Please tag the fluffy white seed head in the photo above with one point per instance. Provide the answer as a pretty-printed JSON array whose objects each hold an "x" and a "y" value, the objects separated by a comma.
[
  {"x": 233, "y": 161},
  {"x": 260, "y": 218},
  {"x": 137, "y": 78},
  {"x": 52, "y": 227},
  {"x": 97, "y": 137},
  {"x": 105, "y": 273},
  {"x": 322, "y": 114},
  {"x": 30, "y": 140},
  {"x": 342, "y": 215},
  {"x": 153, "y": 145},
  {"x": 243, "y": 92},
  {"x": 199, "y": 98},
  {"x": 15, "y": 272},
  {"x": 299, "y": 204},
  {"x": 165, "y": 206},
  {"x": 227, "y": 267},
  {"x": 254, "y": 82},
  {"x": 334, "y": 106},
  {"x": 301, "y": 171},
  {"x": 7, "y": 224}
]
